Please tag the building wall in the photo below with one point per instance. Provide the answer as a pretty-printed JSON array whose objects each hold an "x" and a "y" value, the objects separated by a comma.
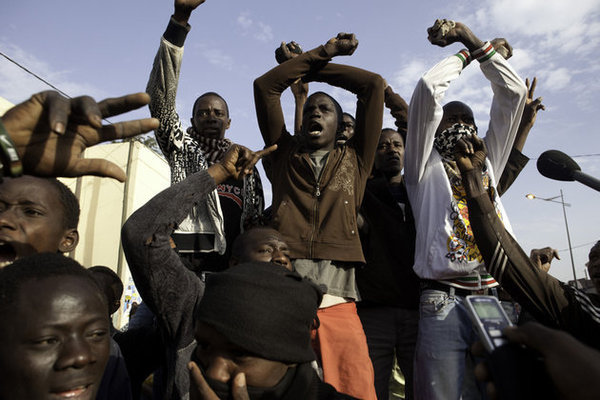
[{"x": 105, "y": 205}]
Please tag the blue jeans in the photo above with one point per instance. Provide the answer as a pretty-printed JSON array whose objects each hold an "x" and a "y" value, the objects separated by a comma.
[{"x": 443, "y": 365}]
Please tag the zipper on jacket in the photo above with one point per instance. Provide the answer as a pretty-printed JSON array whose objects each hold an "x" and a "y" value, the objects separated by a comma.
[{"x": 315, "y": 213}]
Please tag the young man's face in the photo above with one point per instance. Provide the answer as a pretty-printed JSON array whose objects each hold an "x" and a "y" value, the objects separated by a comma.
[
  {"x": 389, "y": 157},
  {"x": 31, "y": 219},
  {"x": 55, "y": 345},
  {"x": 348, "y": 131},
  {"x": 211, "y": 118},
  {"x": 266, "y": 245},
  {"x": 222, "y": 360},
  {"x": 319, "y": 122}
]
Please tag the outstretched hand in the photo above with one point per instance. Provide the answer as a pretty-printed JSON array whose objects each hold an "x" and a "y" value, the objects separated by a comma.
[
  {"x": 200, "y": 390},
  {"x": 238, "y": 162},
  {"x": 344, "y": 44},
  {"x": 51, "y": 132},
  {"x": 542, "y": 258},
  {"x": 531, "y": 106},
  {"x": 469, "y": 153}
]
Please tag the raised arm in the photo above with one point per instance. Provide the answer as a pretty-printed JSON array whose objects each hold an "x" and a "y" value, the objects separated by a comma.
[
  {"x": 268, "y": 87},
  {"x": 164, "y": 78},
  {"x": 398, "y": 108},
  {"x": 285, "y": 52},
  {"x": 369, "y": 90},
  {"x": 544, "y": 296},
  {"x": 159, "y": 274},
  {"x": 426, "y": 112}
]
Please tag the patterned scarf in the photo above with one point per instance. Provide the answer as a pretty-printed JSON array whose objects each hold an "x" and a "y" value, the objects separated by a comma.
[
  {"x": 212, "y": 148},
  {"x": 445, "y": 141},
  {"x": 254, "y": 202}
]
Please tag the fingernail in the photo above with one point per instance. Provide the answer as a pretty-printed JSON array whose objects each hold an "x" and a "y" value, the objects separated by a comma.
[
  {"x": 59, "y": 127},
  {"x": 241, "y": 379}
]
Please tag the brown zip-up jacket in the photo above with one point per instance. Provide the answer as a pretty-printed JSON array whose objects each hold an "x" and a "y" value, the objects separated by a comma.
[{"x": 318, "y": 218}]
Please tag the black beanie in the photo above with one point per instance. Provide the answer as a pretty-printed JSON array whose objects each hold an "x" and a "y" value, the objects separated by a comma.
[{"x": 262, "y": 308}]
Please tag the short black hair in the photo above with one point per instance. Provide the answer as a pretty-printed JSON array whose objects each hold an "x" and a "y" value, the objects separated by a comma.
[
  {"x": 336, "y": 105},
  {"x": 37, "y": 267},
  {"x": 401, "y": 132},
  {"x": 349, "y": 115},
  {"x": 108, "y": 279},
  {"x": 207, "y": 94},
  {"x": 69, "y": 201}
]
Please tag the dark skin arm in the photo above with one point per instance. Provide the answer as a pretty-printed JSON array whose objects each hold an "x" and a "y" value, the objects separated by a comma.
[
  {"x": 51, "y": 132},
  {"x": 184, "y": 9},
  {"x": 529, "y": 115},
  {"x": 285, "y": 52}
]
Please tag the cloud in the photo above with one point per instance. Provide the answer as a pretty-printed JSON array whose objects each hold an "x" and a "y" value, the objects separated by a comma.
[
  {"x": 18, "y": 85},
  {"x": 404, "y": 80},
  {"x": 558, "y": 24},
  {"x": 218, "y": 58},
  {"x": 558, "y": 79},
  {"x": 257, "y": 29}
]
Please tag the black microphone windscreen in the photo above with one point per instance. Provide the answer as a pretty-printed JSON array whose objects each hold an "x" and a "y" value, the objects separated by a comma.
[{"x": 557, "y": 165}]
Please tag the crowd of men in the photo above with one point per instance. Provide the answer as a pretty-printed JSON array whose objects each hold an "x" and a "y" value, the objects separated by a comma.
[{"x": 357, "y": 270}]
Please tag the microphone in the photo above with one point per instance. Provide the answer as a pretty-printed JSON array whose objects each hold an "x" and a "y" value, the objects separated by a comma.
[{"x": 557, "y": 165}]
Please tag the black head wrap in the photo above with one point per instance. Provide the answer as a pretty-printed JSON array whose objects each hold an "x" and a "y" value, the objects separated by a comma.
[{"x": 263, "y": 308}]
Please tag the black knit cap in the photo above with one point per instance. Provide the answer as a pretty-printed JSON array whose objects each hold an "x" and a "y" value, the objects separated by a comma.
[{"x": 262, "y": 308}]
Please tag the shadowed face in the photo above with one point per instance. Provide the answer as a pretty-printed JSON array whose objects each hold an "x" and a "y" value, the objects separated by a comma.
[
  {"x": 389, "y": 157},
  {"x": 319, "y": 122},
  {"x": 593, "y": 265},
  {"x": 347, "y": 132},
  {"x": 211, "y": 118},
  {"x": 222, "y": 360},
  {"x": 56, "y": 343},
  {"x": 32, "y": 219},
  {"x": 266, "y": 245}
]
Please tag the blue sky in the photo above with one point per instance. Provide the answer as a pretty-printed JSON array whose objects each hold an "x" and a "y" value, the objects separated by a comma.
[{"x": 106, "y": 49}]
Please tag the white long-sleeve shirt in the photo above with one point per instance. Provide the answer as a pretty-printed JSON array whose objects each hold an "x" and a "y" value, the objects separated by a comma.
[{"x": 445, "y": 247}]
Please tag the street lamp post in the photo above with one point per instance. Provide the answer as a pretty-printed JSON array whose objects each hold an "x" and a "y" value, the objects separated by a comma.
[{"x": 531, "y": 196}]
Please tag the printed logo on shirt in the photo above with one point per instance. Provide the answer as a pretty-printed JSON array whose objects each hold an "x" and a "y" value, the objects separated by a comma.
[
  {"x": 461, "y": 244},
  {"x": 231, "y": 192}
]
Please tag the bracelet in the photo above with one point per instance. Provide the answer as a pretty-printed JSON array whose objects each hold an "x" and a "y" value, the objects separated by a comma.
[
  {"x": 10, "y": 164},
  {"x": 484, "y": 53},
  {"x": 465, "y": 57}
]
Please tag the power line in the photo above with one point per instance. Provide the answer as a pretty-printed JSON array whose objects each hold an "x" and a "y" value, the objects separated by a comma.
[
  {"x": 34, "y": 74},
  {"x": 42, "y": 79}
]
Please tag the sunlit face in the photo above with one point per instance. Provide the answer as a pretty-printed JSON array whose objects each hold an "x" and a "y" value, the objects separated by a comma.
[
  {"x": 222, "y": 360},
  {"x": 319, "y": 122},
  {"x": 31, "y": 219},
  {"x": 593, "y": 265},
  {"x": 267, "y": 245},
  {"x": 55, "y": 345},
  {"x": 211, "y": 118},
  {"x": 456, "y": 112},
  {"x": 389, "y": 157},
  {"x": 347, "y": 132}
]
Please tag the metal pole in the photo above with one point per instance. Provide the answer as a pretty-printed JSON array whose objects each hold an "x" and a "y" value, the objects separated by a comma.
[{"x": 568, "y": 236}]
